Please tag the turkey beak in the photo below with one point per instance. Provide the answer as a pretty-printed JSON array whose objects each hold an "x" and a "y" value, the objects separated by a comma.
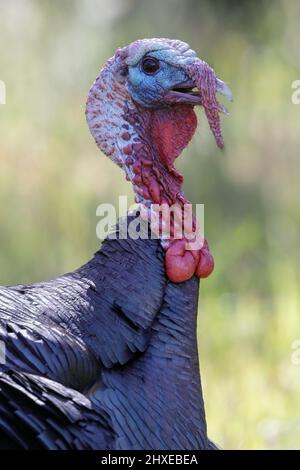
[
  {"x": 207, "y": 83},
  {"x": 200, "y": 88}
]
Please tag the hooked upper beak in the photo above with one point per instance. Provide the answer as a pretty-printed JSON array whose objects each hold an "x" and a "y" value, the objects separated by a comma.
[{"x": 187, "y": 93}]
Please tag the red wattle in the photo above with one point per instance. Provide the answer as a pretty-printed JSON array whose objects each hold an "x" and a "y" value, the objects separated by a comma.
[
  {"x": 206, "y": 264},
  {"x": 172, "y": 129},
  {"x": 180, "y": 263}
]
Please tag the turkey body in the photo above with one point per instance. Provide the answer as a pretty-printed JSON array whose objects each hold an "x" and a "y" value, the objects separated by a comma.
[
  {"x": 106, "y": 357},
  {"x": 103, "y": 358}
]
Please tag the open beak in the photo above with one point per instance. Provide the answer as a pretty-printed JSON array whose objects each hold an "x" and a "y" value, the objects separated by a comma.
[
  {"x": 184, "y": 93},
  {"x": 200, "y": 88},
  {"x": 187, "y": 93}
]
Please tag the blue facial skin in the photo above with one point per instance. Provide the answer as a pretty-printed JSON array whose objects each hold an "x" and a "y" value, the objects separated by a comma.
[{"x": 148, "y": 90}]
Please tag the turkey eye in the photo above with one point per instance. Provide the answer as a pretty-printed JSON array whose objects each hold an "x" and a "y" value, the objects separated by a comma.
[{"x": 150, "y": 65}]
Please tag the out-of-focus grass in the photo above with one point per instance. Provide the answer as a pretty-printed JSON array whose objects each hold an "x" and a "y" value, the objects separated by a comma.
[
  {"x": 250, "y": 383},
  {"x": 52, "y": 178}
]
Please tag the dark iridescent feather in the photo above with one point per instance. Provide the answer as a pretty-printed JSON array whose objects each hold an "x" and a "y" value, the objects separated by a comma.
[{"x": 104, "y": 357}]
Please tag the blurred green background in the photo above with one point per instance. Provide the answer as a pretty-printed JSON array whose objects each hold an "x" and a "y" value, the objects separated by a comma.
[{"x": 53, "y": 177}]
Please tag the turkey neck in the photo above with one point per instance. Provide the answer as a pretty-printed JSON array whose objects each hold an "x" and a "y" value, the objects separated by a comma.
[
  {"x": 159, "y": 396},
  {"x": 143, "y": 142},
  {"x": 155, "y": 400}
]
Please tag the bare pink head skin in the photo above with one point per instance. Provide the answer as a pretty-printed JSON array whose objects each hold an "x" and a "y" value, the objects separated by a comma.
[{"x": 140, "y": 113}]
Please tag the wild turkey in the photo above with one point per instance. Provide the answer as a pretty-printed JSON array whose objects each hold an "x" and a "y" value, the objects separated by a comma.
[{"x": 106, "y": 357}]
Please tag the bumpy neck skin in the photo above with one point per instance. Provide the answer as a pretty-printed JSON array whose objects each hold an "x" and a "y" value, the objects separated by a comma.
[{"x": 143, "y": 142}]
